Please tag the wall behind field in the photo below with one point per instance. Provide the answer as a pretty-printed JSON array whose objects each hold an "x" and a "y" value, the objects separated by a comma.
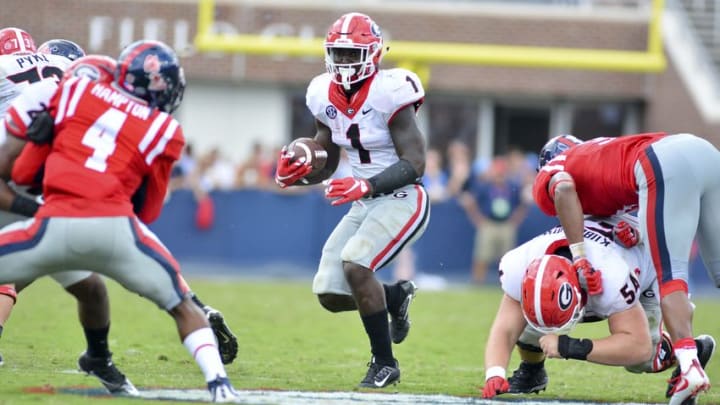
[{"x": 256, "y": 232}]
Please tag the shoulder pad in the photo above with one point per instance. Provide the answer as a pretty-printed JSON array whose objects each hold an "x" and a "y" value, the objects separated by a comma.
[
  {"x": 317, "y": 93},
  {"x": 396, "y": 88}
]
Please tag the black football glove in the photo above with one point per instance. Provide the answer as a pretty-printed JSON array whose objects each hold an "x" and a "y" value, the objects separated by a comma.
[{"x": 41, "y": 128}]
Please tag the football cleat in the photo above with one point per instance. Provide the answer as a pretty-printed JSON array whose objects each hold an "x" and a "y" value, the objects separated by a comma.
[
  {"x": 400, "y": 321},
  {"x": 664, "y": 356},
  {"x": 227, "y": 342},
  {"x": 380, "y": 376},
  {"x": 683, "y": 387},
  {"x": 528, "y": 378},
  {"x": 221, "y": 390},
  {"x": 104, "y": 369}
]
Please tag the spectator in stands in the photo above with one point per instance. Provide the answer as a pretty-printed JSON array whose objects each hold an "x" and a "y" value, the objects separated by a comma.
[
  {"x": 435, "y": 178},
  {"x": 459, "y": 165},
  {"x": 257, "y": 170},
  {"x": 494, "y": 205},
  {"x": 214, "y": 172},
  {"x": 183, "y": 170}
]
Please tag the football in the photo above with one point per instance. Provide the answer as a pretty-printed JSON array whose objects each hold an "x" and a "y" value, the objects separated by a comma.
[{"x": 311, "y": 150}]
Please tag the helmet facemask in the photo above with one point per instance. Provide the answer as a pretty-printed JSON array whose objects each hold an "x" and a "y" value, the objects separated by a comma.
[
  {"x": 353, "y": 49},
  {"x": 350, "y": 63}
]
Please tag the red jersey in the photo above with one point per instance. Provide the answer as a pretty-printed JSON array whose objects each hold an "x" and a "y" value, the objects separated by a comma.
[
  {"x": 604, "y": 173},
  {"x": 107, "y": 144}
]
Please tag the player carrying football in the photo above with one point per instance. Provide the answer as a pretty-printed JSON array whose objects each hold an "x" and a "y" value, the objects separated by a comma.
[{"x": 370, "y": 113}]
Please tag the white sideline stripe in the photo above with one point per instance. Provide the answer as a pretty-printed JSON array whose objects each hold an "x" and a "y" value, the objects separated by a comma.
[{"x": 342, "y": 398}]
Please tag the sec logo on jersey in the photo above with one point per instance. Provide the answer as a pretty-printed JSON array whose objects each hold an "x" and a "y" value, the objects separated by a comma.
[{"x": 331, "y": 112}]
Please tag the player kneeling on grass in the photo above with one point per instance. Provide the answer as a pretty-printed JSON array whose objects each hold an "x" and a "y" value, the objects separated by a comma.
[{"x": 545, "y": 298}]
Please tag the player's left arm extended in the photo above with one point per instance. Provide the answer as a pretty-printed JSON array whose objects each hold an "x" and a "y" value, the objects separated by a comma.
[
  {"x": 410, "y": 147},
  {"x": 629, "y": 342}
]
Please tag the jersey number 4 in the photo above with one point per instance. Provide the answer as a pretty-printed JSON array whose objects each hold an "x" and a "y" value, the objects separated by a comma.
[{"x": 101, "y": 136}]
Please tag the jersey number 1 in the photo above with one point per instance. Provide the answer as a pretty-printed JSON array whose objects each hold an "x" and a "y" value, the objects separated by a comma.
[{"x": 353, "y": 134}]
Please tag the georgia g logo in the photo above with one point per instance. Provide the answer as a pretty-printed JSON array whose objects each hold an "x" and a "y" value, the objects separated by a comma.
[{"x": 565, "y": 296}]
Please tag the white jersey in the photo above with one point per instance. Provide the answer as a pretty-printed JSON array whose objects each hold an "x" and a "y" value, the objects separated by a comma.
[
  {"x": 19, "y": 71},
  {"x": 34, "y": 97},
  {"x": 626, "y": 273},
  {"x": 360, "y": 125}
]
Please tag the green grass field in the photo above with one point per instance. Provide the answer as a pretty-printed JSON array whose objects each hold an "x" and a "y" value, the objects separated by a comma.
[{"x": 288, "y": 342}]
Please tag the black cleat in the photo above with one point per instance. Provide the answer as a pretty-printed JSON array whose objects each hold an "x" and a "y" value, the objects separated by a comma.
[
  {"x": 528, "y": 378},
  {"x": 104, "y": 369},
  {"x": 705, "y": 350},
  {"x": 227, "y": 342},
  {"x": 380, "y": 376},
  {"x": 400, "y": 321}
]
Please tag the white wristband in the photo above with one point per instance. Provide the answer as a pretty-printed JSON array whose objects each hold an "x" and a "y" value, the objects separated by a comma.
[
  {"x": 495, "y": 371},
  {"x": 577, "y": 250}
]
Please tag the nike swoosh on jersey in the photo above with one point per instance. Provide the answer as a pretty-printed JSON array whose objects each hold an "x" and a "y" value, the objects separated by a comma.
[{"x": 366, "y": 111}]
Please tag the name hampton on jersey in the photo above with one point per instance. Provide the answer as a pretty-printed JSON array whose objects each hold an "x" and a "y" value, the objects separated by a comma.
[{"x": 120, "y": 101}]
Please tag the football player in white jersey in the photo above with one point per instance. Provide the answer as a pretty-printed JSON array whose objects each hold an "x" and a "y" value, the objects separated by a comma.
[
  {"x": 371, "y": 114},
  {"x": 20, "y": 65},
  {"x": 544, "y": 300}
]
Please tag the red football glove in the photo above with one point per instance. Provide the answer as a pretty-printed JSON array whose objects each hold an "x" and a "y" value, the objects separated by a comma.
[
  {"x": 290, "y": 171},
  {"x": 346, "y": 190},
  {"x": 495, "y": 386},
  {"x": 593, "y": 278},
  {"x": 626, "y": 235}
]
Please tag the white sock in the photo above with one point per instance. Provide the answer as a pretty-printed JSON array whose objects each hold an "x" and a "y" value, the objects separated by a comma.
[
  {"x": 202, "y": 346},
  {"x": 685, "y": 356}
]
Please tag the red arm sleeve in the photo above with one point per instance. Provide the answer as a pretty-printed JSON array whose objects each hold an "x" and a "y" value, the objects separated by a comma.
[
  {"x": 28, "y": 164},
  {"x": 158, "y": 178},
  {"x": 157, "y": 185},
  {"x": 541, "y": 194}
]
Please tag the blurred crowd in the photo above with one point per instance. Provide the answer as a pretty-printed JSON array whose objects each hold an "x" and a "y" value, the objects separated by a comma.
[{"x": 494, "y": 193}]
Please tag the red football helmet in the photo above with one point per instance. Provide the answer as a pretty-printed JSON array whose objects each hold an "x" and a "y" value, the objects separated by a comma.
[
  {"x": 99, "y": 68},
  {"x": 14, "y": 41},
  {"x": 551, "y": 295},
  {"x": 353, "y": 49}
]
